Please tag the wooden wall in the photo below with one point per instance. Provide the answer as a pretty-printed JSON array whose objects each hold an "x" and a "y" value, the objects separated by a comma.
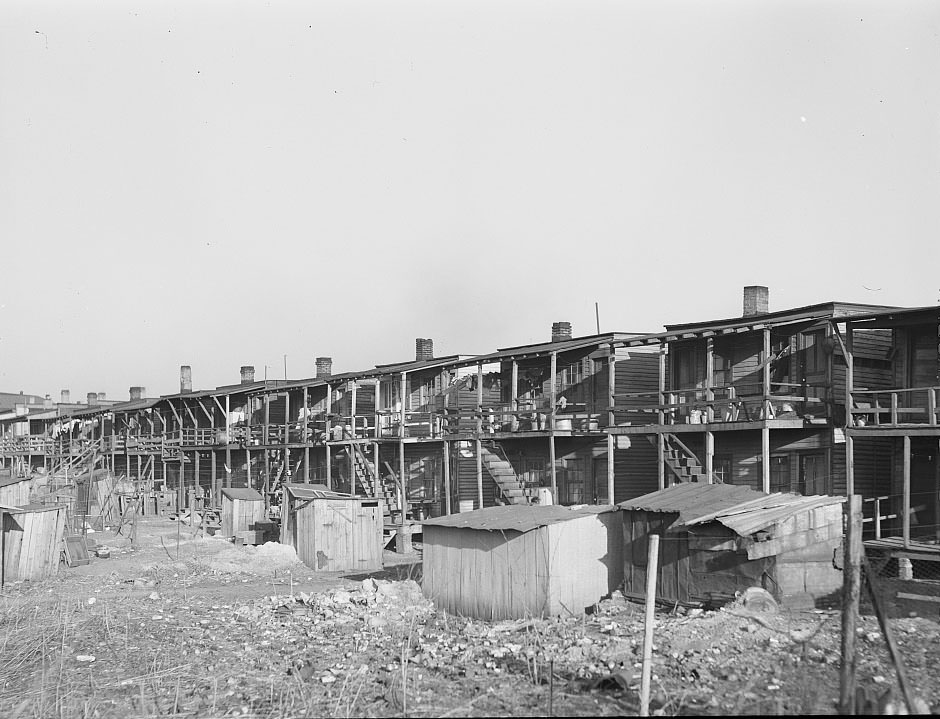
[
  {"x": 239, "y": 515},
  {"x": 32, "y": 542},
  {"x": 552, "y": 570},
  {"x": 15, "y": 494},
  {"x": 334, "y": 535}
]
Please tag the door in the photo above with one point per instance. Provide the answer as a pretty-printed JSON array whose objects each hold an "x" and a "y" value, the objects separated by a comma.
[
  {"x": 813, "y": 362},
  {"x": 814, "y": 473},
  {"x": 924, "y": 488}
]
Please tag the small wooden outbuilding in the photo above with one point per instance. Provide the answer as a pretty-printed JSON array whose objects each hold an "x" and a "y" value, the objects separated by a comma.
[
  {"x": 717, "y": 539},
  {"x": 331, "y": 531},
  {"x": 15, "y": 491},
  {"x": 31, "y": 541},
  {"x": 242, "y": 509},
  {"x": 519, "y": 561}
]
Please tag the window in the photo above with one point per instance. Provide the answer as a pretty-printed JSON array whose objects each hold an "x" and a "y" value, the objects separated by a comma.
[
  {"x": 721, "y": 374},
  {"x": 780, "y": 473},
  {"x": 570, "y": 375},
  {"x": 814, "y": 473},
  {"x": 814, "y": 358},
  {"x": 721, "y": 469}
]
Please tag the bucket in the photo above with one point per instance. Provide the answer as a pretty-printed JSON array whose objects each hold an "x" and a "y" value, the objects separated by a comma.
[{"x": 465, "y": 505}]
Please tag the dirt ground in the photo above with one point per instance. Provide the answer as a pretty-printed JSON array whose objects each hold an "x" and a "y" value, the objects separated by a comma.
[{"x": 201, "y": 628}]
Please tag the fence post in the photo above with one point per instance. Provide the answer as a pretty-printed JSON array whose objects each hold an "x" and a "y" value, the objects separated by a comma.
[
  {"x": 851, "y": 586},
  {"x": 646, "y": 674}
]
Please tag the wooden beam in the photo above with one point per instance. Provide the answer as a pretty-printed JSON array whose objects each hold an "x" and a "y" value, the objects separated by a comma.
[
  {"x": 447, "y": 497},
  {"x": 906, "y": 506},
  {"x": 709, "y": 377},
  {"x": 329, "y": 468},
  {"x": 765, "y": 457},
  {"x": 850, "y": 598},
  {"x": 553, "y": 371},
  {"x": 551, "y": 459},
  {"x": 765, "y": 378},
  {"x": 611, "y": 387},
  {"x": 479, "y": 449},
  {"x": 205, "y": 411},
  {"x": 610, "y": 469},
  {"x": 404, "y": 403},
  {"x": 660, "y": 460},
  {"x": 710, "y": 457},
  {"x": 480, "y": 405}
]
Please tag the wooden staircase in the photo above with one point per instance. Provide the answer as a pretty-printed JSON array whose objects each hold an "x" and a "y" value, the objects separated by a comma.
[
  {"x": 502, "y": 472},
  {"x": 368, "y": 478},
  {"x": 681, "y": 460},
  {"x": 74, "y": 464}
]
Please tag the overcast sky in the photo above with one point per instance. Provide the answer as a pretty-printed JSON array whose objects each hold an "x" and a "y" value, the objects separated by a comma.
[{"x": 221, "y": 183}]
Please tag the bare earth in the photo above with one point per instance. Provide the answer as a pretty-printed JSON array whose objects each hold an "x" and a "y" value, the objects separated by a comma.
[{"x": 212, "y": 630}]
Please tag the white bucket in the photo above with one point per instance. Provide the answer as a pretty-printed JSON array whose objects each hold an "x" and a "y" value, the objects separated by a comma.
[
  {"x": 545, "y": 496},
  {"x": 465, "y": 505}
]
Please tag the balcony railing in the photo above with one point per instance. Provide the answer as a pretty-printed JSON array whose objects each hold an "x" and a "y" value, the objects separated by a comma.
[
  {"x": 892, "y": 407},
  {"x": 723, "y": 404}
]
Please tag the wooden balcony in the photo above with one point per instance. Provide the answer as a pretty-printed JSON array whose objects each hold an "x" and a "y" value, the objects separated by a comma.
[{"x": 898, "y": 407}]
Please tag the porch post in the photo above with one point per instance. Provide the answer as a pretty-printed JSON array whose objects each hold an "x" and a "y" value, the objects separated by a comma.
[
  {"x": 906, "y": 517},
  {"x": 849, "y": 418},
  {"x": 610, "y": 469},
  {"x": 709, "y": 376},
  {"x": 765, "y": 457},
  {"x": 447, "y": 503},
  {"x": 611, "y": 386},
  {"x": 553, "y": 370},
  {"x": 710, "y": 457}
]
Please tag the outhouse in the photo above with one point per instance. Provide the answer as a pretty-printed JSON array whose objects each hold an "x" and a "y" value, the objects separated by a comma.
[
  {"x": 332, "y": 531},
  {"x": 31, "y": 540},
  {"x": 518, "y": 561},
  {"x": 718, "y": 539},
  {"x": 242, "y": 510},
  {"x": 15, "y": 491}
]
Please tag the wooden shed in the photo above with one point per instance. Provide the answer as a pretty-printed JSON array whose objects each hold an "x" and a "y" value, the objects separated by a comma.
[
  {"x": 15, "y": 491},
  {"x": 717, "y": 539},
  {"x": 331, "y": 531},
  {"x": 520, "y": 561},
  {"x": 31, "y": 541},
  {"x": 242, "y": 509}
]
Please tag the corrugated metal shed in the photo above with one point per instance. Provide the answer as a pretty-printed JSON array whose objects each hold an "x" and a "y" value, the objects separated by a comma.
[
  {"x": 517, "y": 517},
  {"x": 741, "y": 509}
]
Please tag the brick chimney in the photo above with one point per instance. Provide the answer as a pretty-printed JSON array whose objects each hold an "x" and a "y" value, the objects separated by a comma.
[
  {"x": 561, "y": 331},
  {"x": 65, "y": 396},
  {"x": 756, "y": 300},
  {"x": 92, "y": 398},
  {"x": 137, "y": 393},
  {"x": 324, "y": 367},
  {"x": 424, "y": 348},
  {"x": 186, "y": 378},
  {"x": 248, "y": 374},
  {"x": 47, "y": 401}
]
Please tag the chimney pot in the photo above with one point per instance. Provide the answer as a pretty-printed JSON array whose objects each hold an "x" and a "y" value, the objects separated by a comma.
[
  {"x": 424, "y": 348},
  {"x": 324, "y": 367},
  {"x": 561, "y": 331},
  {"x": 186, "y": 378},
  {"x": 756, "y": 300},
  {"x": 137, "y": 393},
  {"x": 248, "y": 374},
  {"x": 65, "y": 396}
]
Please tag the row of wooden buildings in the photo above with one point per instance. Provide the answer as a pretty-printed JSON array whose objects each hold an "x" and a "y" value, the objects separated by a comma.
[{"x": 828, "y": 398}]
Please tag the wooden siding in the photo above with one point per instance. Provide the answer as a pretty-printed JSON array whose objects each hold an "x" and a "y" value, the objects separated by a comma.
[
  {"x": 634, "y": 371},
  {"x": 239, "y": 515},
  {"x": 334, "y": 535},
  {"x": 635, "y": 472},
  {"x": 31, "y": 543},
  {"x": 552, "y": 570},
  {"x": 16, "y": 494}
]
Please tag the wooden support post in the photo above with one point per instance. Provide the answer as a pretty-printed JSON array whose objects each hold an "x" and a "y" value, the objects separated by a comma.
[
  {"x": 612, "y": 387},
  {"x": 652, "y": 567},
  {"x": 286, "y": 421},
  {"x": 514, "y": 396},
  {"x": 265, "y": 437},
  {"x": 551, "y": 460},
  {"x": 709, "y": 379},
  {"x": 849, "y": 463},
  {"x": 553, "y": 372},
  {"x": 932, "y": 406},
  {"x": 329, "y": 468},
  {"x": 403, "y": 393},
  {"x": 479, "y": 452},
  {"x": 894, "y": 408},
  {"x": 906, "y": 505},
  {"x": 248, "y": 467},
  {"x": 661, "y": 460},
  {"x": 610, "y": 469},
  {"x": 352, "y": 408},
  {"x": 307, "y": 464},
  {"x": 378, "y": 414},
  {"x": 305, "y": 431},
  {"x": 848, "y": 350},
  {"x": 710, "y": 457},
  {"x": 765, "y": 457},
  {"x": 447, "y": 497},
  {"x": 403, "y": 537},
  {"x": 661, "y": 400},
  {"x": 851, "y": 587},
  {"x": 765, "y": 379},
  {"x": 216, "y": 494},
  {"x": 196, "y": 477},
  {"x": 479, "y": 422}
]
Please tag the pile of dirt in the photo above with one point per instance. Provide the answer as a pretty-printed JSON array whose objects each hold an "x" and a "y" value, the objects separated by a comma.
[{"x": 265, "y": 560}]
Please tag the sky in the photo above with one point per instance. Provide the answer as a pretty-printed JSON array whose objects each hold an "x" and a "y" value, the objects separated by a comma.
[{"x": 222, "y": 184}]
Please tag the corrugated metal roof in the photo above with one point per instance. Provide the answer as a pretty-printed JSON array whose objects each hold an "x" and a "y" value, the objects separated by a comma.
[
  {"x": 741, "y": 509},
  {"x": 315, "y": 491},
  {"x": 242, "y": 493},
  {"x": 520, "y": 518}
]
